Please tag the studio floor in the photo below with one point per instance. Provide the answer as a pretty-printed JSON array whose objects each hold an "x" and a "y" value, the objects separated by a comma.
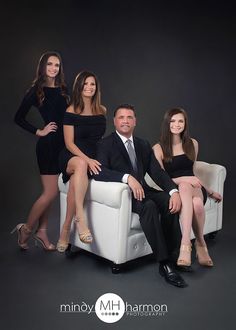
[{"x": 35, "y": 284}]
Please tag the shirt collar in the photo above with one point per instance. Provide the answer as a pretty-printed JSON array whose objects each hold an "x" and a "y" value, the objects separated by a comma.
[{"x": 124, "y": 139}]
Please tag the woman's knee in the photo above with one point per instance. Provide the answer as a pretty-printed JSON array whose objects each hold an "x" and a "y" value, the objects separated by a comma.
[
  {"x": 49, "y": 196},
  {"x": 198, "y": 206},
  {"x": 185, "y": 187},
  {"x": 80, "y": 164}
]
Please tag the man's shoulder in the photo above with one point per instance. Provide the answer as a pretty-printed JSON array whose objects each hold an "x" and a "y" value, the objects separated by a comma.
[{"x": 141, "y": 141}]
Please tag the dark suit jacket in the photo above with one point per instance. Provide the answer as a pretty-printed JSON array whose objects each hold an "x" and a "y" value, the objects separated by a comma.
[{"x": 113, "y": 156}]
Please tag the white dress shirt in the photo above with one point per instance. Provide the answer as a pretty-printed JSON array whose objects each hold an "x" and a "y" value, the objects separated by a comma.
[{"x": 125, "y": 176}]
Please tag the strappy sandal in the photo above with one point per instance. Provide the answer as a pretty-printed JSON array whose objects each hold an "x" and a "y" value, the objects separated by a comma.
[
  {"x": 86, "y": 236},
  {"x": 22, "y": 229}
]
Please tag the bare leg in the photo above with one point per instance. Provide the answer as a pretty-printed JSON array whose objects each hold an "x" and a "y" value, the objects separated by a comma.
[
  {"x": 40, "y": 209},
  {"x": 198, "y": 226},
  {"x": 198, "y": 216},
  {"x": 70, "y": 212},
  {"x": 186, "y": 215},
  {"x": 78, "y": 168},
  {"x": 41, "y": 232}
]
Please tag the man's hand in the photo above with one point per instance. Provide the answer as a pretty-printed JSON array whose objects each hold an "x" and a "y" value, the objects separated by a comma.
[
  {"x": 136, "y": 188},
  {"x": 174, "y": 203}
]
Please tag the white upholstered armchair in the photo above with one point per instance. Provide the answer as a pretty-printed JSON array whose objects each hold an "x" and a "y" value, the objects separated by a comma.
[{"x": 117, "y": 233}]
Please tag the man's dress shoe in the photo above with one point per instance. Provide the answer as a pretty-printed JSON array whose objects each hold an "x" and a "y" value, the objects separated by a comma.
[{"x": 170, "y": 275}]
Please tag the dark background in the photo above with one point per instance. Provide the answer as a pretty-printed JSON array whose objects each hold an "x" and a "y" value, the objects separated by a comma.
[{"x": 153, "y": 54}]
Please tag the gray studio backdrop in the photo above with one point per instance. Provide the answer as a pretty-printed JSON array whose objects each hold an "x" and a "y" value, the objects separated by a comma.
[{"x": 153, "y": 55}]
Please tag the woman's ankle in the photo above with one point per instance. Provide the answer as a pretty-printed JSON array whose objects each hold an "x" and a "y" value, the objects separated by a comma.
[
  {"x": 200, "y": 242},
  {"x": 185, "y": 242},
  {"x": 25, "y": 234}
]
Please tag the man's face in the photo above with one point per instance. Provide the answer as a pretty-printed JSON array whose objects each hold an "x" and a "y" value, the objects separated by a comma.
[{"x": 125, "y": 122}]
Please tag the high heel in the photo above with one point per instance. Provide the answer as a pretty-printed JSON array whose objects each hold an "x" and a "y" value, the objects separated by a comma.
[
  {"x": 85, "y": 237},
  {"x": 185, "y": 255},
  {"x": 203, "y": 256},
  {"x": 27, "y": 232},
  {"x": 37, "y": 239},
  {"x": 62, "y": 245}
]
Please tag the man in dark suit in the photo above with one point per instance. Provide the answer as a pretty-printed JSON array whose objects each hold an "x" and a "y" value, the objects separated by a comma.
[{"x": 125, "y": 158}]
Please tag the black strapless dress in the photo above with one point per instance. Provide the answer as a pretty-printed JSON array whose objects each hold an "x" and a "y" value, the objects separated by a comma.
[
  {"x": 181, "y": 165},
  {"x": 88, "y": 130}
]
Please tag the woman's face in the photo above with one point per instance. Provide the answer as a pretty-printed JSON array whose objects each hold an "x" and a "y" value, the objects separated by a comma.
[
  {"x": 52, "y": 67},
  {"x": 89, "y": 87},
  {"x": 177, "y": 123}
]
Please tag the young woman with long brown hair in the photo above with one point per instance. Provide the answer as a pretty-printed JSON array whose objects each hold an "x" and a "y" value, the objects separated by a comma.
[
  {"x": 48, "y": 94},
  {"x": 177, "y": 153}
]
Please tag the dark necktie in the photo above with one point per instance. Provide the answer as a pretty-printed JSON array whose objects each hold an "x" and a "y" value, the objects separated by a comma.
[{"x": 132, "y": 155}]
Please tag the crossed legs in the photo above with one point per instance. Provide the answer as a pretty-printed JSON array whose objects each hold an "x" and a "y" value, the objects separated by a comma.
[
  {"x": 192, "y": 215},
  {"x": 78, "y": 184}
]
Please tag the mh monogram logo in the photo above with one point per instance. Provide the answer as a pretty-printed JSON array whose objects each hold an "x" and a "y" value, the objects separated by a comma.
[{"x": 110, "y": 308}]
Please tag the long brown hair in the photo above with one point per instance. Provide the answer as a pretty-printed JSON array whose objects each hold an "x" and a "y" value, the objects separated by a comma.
[
  {"x": 77, "y": 99},
  {"x": 41, "y": 78},
  {"x": 166, "y": 139}
]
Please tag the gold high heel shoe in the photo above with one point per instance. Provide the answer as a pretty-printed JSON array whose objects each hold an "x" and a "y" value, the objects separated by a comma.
[
  {"x": 203, "y": 256},
  {"x": 27, "y": 232},
  {"x": 85, "y": 237},
  {"x": 62, "y": 245},
  {"x": 37, "y": 239},
  {"x": 185, "y": 251}
]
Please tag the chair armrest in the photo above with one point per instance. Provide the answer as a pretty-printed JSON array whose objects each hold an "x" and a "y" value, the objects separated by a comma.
[
  {"x": 108, "y": 193},
  {"x": 211, "y": 175},
  {"x": 151, "y": 183}
]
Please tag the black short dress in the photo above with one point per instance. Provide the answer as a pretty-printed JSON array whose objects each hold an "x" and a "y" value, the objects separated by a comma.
[
  {"x": 52, "y": 109},
  {"x": 88, "y": 130},
  {"x": 181, "y": 165}
]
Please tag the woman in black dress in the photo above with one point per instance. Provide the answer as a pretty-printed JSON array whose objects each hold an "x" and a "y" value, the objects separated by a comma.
[
  {"x": 49, "y": 95},
  {"x": 84, "y": 125},
  {"x": 177, "y": 153}
]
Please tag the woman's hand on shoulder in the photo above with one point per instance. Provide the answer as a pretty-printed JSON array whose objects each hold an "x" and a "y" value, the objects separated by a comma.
[{"x": 51, "y": 127}]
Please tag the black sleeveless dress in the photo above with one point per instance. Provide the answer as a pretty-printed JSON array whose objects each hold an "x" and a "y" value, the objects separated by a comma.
[
  {"x": 52, "y": 109},
  {"x": 88, "y": 130},
  {"x": 181, "y": 165}
]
